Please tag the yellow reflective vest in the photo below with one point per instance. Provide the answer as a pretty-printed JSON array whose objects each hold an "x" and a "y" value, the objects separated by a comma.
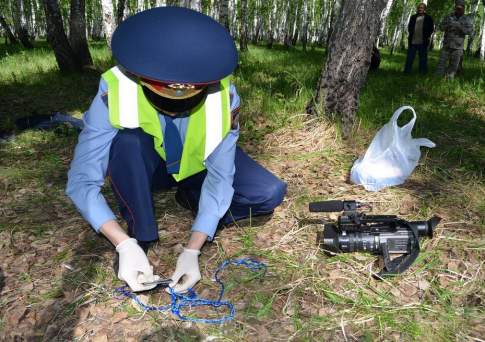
[{"x": 208, "y": 124}]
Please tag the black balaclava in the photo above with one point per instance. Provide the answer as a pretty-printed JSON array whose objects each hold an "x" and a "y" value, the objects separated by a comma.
[{"x": 164, "y": 104}]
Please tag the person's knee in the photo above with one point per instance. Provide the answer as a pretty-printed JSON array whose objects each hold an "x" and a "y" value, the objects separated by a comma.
[{"x": 274, "y": 193}]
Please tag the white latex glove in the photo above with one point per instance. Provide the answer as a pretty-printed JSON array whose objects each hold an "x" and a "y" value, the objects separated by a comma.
[
  {"x": 188, "y": 266},
  {"x": 134, "y": 266}
]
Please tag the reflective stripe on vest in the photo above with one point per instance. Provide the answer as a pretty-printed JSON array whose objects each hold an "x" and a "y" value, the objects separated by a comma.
[{"x": 208, "y": 123}]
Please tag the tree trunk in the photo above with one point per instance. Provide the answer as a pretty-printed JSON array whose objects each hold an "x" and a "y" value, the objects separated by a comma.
[
  {"x": 56, "y": 36},
  {"x": 471, "y": 37},
  {"x": 7, "y": 30},
  {"x": 289, "y": 23},
  {"x": 224, "y": 13},
  {"x": 482, "y": 41},
  {"x": 384, "y": 16},
  {"x": 399, "y": 27},
  {"x": 140, "y": 6},
  {"x": 77, "y": 33},
  {"x": 192, "y": 4},
  {"x": 297, "y": 24},
  {"x": 18, "y": 19},
  {"x": 120, "y": 11},
  {"x": 243, "y": 26},
  {"x": 348, "y": 60},
  {"x": 108, "y": 23},
  {"x": 336, "y": 10},
  {"x": 173, "y": 3},
  {"x": 306, "y": 21},
  {"x": 272, "y": 25},
  {"x": 28, "y": 17}
]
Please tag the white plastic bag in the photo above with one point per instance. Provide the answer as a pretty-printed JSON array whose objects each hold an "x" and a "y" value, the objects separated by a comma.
[{"x": 391, "y": 157}]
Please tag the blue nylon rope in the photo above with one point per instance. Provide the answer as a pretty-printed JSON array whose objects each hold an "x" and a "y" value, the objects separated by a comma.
[{"x": 190, "y": 300}]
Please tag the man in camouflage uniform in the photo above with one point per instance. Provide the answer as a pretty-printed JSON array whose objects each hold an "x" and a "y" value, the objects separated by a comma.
[{"x": 455, "y": 26}]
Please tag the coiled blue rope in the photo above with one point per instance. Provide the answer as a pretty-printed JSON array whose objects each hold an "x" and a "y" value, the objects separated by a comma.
[{"x": 190, "y": 299}]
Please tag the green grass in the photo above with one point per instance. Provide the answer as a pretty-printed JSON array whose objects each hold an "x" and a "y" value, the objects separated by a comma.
[{"x": 305, "y": 294}]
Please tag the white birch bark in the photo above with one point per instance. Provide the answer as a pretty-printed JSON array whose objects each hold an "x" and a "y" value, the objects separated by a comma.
[
  {"x": 140, "y": 4},
  {"x": 224, "y": 13},
  {"x": 192, "y": 4},
  {"x": 108, "y": 20},
  {"x": 306, "y": 18},
  {"x": 19, "y": 23},
  {"x": 471, "y": 37},
  {"x": 384, "y": 15},
  {"x": 406, "y": 13},
  {"x": 482, "y": 43}
]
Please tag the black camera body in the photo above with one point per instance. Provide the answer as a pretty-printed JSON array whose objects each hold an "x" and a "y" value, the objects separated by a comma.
[{"x": 381, "y": 235}]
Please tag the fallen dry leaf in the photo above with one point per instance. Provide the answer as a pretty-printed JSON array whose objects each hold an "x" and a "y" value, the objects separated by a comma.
[
  {"x": 100, "y": 338},
  {"x": 119, "y": 316}
]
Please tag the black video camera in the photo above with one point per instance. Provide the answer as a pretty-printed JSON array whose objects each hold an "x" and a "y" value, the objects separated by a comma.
[{"x": 382, "y": 235}]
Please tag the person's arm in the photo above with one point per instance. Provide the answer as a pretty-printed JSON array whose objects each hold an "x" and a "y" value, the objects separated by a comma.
[
  {"x": 465, "y": 26},
  {"x": 431, "y": 25},
  {"x": 410, "y": 25},
  {"x": 88, "y": 167},
  {"x": 444, "y": 24},
  {"x": 215, "y": 199},
  {"x": 85, "y": 179},
  {"x": 217, "y": 191}
]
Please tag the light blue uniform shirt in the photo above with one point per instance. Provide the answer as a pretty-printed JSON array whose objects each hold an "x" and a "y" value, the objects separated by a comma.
[{"x": 91, "y": 155}]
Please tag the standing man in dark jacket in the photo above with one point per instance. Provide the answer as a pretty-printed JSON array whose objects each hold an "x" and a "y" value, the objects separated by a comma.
[{"x": 420, "y": 28}]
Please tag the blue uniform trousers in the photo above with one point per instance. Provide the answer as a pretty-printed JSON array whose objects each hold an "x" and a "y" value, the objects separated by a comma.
[
  {"x": 135, "y": 170},
  {"x": 422, "y": 51}
]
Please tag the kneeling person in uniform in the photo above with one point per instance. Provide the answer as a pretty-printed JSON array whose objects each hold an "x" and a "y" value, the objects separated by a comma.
[{"x": 167, "y": 116}]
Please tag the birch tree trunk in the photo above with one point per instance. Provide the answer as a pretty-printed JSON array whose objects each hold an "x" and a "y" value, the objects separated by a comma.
[
  {"x": 173, "y": 3},
  {"x": 399, "y": 27},
  {"x": 384, "y": 15},
  {"x": 140, "y": 4},
  {"x": 120, "y": 11},
  {"x": 77, "y": 32},
  {"x": 192, "y": 4},
  {"x": 108, "y": 22},
  {"x": 297, "y": 24},
  {"x": 18, "y": 19},
  {"x": 336, "y": 10},
  {"x": 272, "y": 25},
  {"x": 7, "y": 30},
  {"x": 224, "y": 13},
  {"x": 471, "y": 37},
  {"x": 243, "y": 26},
  {"x": 482, "y": 43},
  {"x": 28, "y": 15},
  {"x": 56, "y": 36},
  {"x": 348, "y": 60},
  {"x": 306, "y": 21}
]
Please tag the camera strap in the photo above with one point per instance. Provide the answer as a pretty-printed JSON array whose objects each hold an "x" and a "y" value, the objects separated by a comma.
[{"x": 403, "y": 262}]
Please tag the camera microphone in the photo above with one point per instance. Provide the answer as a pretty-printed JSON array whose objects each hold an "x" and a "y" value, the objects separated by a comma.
[
  {"x": 333, "y": 206},
  {"x": 326, "y": 206}
]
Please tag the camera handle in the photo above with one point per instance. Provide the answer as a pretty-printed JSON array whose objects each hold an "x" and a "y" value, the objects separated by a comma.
[{"x": 403, "y": 262}]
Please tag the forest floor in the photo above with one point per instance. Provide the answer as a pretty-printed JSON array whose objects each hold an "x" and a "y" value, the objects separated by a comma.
[{"x": 58, "y": 282}]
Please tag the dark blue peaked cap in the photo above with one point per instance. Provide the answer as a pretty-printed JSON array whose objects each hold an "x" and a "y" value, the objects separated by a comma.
[{"x": 174, "y": 44}]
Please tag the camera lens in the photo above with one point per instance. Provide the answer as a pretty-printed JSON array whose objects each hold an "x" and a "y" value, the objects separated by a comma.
[{"x": 426, "y": 228}]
